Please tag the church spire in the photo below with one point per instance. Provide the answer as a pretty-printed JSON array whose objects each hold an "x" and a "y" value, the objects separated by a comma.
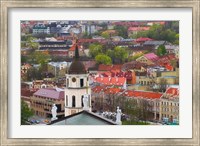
[{"x": 76, "y": 50}]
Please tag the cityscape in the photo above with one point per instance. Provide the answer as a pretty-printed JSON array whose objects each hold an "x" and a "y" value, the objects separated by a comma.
[{"x": 99, "y": 72}]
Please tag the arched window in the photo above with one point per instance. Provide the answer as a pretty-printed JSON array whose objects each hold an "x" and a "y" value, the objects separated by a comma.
[
  {"x": 73, "y": 101},
  {"x": 82, "y": 100},
  {"x": 66, "y": 101},
  {"x": 81, "y": 83}
]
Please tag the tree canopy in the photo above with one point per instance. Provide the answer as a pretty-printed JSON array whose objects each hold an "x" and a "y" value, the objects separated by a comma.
[
  {"x": 95, "y": 49},
  {"x": 160, "y": 32},
  {"x": 26, "y": 112},
  {"x": 104, "y": 59},
  {"x": 121, "y": 30},
  {"x": 161, "y": 50},
  {"x": 120, "y": 53}
]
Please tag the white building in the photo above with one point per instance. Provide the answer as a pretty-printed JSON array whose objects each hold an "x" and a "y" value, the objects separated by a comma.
[
  {"x": 77, "y": 85},
  {"x": 41, "y": 28}
]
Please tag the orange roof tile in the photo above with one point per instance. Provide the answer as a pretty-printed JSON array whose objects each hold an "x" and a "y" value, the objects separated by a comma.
[
  {"x": 172, "y": 91},
  {"x": 119, "y": 81}
]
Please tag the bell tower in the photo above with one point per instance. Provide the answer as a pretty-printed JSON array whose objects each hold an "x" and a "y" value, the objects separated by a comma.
[{"x": 77, "y": 86}]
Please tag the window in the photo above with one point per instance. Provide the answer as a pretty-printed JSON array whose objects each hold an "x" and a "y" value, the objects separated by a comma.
[
  {"x": 82, "y": 100},
  {"x": 73, "y": 101},
  {"x": 67, "y": 83},
  {"x": 81, "y": 83},
  {"x": 89, "y": 100},
  {"x": 66, "y": 100}
]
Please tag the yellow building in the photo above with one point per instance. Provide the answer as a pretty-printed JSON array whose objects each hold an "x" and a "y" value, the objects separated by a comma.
[
  {"x": 43, "y": 99},
  {"x": 169, "y": 105}
]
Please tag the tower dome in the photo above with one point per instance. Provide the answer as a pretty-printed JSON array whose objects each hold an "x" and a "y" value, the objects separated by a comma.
[{"x": 77, "y": 67}]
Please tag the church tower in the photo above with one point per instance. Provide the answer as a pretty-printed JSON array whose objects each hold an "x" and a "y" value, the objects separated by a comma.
[{"x": 77, "y": 86}]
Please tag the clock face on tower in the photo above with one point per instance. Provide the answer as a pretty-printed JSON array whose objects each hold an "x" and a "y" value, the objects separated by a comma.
[{"x": 73, "y": 79}]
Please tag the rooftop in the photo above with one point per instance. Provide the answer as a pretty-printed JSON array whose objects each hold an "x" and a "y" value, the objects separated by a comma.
[
  {"x": 50, "y": 93},
  {"x": 83, "y": 118}
]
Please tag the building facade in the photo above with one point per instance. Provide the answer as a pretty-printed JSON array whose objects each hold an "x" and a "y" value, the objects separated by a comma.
[
  {"x": 43, "y": 100},
  {"x": 77, "y": 86}
]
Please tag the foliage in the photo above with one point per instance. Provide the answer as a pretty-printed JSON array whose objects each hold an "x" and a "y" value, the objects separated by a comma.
[
  {"x": 95, "y": 49},
  {"x": 86, "y": 35},
  {"x": 121, "y": 30},
  {"x": 120, "y": 53},
  {"x": 110, "y": 53},
  {"x": 34, "y": 74},
  {"x": 103, "y": 25},
  {"x": 162, "y": 85},
  {"x": 105, "y": 35},
  {"x": 160, "y": 32},
  {"x": 104, "y": 59},
  {"x": 40, "y": 57},
  {"x": 173, "y": 63},
  {"x": 26, "y": 112},
  {"x": 131, "y": 58},
  {"x": 31, "y": 44},
  {"x": 161, "y": 50},
  {"x": 134, "y": 123}
]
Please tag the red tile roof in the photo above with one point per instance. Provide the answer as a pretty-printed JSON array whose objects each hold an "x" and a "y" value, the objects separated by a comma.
[
  {"x": 128, "y": 93},
  {"x": 98, "y": 89},
  {"x": 113, "y": 90},
  {"x": 103, "y": 67},
  {"x": 172, "y": 91},
  {"x": 118, "y": 81},
  {"x": 139, "y": 94},
  {"x": 151, "y": 56},
  {"x": 138, "y": 28},
  {"x": 26, "y": 92},
  {"x": 143, "y": 39}
]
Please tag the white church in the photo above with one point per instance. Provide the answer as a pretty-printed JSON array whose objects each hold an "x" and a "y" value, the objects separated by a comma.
[
  {"x": 78, "y": 99},
  {"x": 77, "y": 86}
]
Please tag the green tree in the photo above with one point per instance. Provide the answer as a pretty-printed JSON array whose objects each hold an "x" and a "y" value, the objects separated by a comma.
[
  {"x": 120, "y": 53},
  {"x": 110, "y": 53},
  {"x": 161, "y": 50},
  {"x": 103, "y": 25},
  {"x": 41, "y": 58},
  {"x": 176, "y": 42},
  {"x": 26, "y": 112},
  {"x": 161, "y": 32},
  {"x": 105, "y": 35},
  {"x": 95, "y": 49},
  {"x": 31, "y": 44},
  {"x": 121, "y": 30},
  {"x": 34, "y": 74},
  {"x": 104, "y": 59}
]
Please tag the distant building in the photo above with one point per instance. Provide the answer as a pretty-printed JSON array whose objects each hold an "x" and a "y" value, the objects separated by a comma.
[
  {"x": 52, "y": 45},
  {"x": 58, "y": 68},
  {"x": 135, "y": 30},
  {"x": 149, "y": 58},
  {"x": 169, "y": 106},
  {"x": 43, "y": 99},
  {"x": 41, "y": 29},
  {"x": 89, "y": 28}
]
